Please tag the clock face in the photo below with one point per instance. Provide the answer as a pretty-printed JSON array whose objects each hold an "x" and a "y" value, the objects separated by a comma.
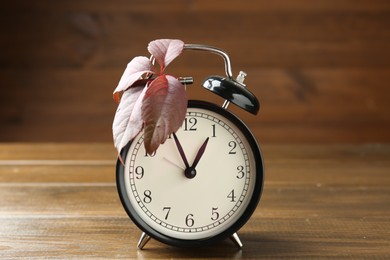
[{"x": 203, "y": 182}]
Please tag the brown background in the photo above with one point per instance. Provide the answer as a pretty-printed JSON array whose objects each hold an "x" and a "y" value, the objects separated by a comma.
[{"x": 321, "y": 69}]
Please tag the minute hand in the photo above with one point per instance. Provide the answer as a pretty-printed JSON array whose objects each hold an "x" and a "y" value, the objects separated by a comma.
[
  {"x": 200, "y": 153},
  {"x": 181, "y": 151}
]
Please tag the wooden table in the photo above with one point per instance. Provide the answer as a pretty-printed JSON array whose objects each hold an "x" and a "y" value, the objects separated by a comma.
[{"x": 60, "y": 201}]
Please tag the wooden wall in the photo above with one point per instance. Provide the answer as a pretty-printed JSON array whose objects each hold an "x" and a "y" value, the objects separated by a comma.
[{"x": 321, "y": 69}]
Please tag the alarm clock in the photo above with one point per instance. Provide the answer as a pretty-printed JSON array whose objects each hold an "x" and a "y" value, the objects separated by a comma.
[{"x": 203, "y": 184}]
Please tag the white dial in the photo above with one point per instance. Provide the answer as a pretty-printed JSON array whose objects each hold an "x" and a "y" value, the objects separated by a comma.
[{"x": 198, "y": 183}]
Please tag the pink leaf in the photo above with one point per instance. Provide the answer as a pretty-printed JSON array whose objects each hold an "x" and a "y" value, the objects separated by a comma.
[
  {"x": 165, "y": 51},
  {"x": 128, "y": 118},
  {"x": 163, "y": 110},
  {"x": 134, "y": 70}
]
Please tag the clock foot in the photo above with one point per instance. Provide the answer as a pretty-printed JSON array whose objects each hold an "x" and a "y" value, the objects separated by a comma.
[
  {"x": 144, "y": 239},
  {"x": 236, "y": 240}
]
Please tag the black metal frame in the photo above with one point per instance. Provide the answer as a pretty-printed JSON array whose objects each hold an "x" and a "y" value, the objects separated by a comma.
[{"x": 120, "y": 171}]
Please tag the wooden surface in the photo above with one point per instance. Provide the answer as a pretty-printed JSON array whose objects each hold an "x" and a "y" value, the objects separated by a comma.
[
  {"x": 319, "y": 201},
  {"x": 320, "y": 68}
]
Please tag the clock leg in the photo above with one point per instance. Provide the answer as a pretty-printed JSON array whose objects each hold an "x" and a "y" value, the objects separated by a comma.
[
  {"x": 236, "y": 240},
  {"x": 144, "y": 239}
]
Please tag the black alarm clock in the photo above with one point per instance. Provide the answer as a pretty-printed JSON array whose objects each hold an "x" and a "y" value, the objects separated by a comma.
[{"x": 203, "y": 184}]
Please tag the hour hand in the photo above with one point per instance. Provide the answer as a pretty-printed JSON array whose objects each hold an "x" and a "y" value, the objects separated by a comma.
[
  {"x": 200, "y": 153},
  {"x": 181, "y": 151}
]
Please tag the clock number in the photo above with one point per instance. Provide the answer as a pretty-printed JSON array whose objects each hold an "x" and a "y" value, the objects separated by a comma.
[
  {"x": 189, "y": 220},
  {"x": 231, "y": 196},
  {"x": 167, "y": 209},
  {"x": 241, "y": 172},
  {"x": 190, "y": 124},
  {"x": 233, "y": 145},
  {"x": 213, "y": 131},
  {"x": 139, "y": 172},
  {"x": 214, "y": 214},
  {"x": 148, "y": 196}
]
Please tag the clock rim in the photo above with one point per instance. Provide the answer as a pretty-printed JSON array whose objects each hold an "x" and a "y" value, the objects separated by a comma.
[{"x": 251, "y": 207}]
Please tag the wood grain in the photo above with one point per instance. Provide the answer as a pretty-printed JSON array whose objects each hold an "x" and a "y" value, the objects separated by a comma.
[
  {"x": 319, "y": 201},
  {"x": 319, "y": 68}
]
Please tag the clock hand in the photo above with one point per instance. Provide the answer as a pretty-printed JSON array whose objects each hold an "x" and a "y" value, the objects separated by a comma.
[
  {"x": 181, "y": 151},
  {"x": 173, "y": 163},
  {"x": 200, "y": 153}
]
